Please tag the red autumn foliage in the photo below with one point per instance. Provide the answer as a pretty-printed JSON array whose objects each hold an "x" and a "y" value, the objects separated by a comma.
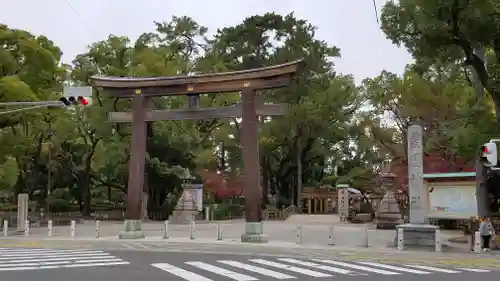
[
  {"x": 220, "y": 185},
  {"x": 432, "y": 164}
]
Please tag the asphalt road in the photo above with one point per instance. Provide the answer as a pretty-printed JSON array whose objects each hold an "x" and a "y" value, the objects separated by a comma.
[{"x": 18, "y": 264}]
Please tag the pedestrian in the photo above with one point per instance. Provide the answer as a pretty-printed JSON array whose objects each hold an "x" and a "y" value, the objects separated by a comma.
[
  {"x": 470, "y": 231},
  {"x": 486, "y": 231}
]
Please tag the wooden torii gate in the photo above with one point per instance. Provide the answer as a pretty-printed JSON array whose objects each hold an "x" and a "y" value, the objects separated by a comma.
[{"x": 140, "y": 90}]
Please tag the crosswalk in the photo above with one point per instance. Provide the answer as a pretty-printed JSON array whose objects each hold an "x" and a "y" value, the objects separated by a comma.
[
  {"x": 291, "y": 268},
  {"x": 19, "y": 259}
]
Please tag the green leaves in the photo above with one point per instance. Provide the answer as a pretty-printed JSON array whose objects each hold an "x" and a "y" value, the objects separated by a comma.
[{"x": 449, "y": 32}]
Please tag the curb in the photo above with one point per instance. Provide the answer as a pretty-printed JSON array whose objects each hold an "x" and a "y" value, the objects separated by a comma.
[{"x": 236, "y": 243}]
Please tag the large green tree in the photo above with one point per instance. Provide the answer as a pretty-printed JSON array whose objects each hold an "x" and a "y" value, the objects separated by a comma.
[{"x": 455, "y": 31}]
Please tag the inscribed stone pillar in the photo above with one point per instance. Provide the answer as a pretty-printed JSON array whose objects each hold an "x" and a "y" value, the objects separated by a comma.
[
  {"x": 22, "y": 210},
  {"x": 418, "y": 212},
  {"x": 343, "y": 201}
]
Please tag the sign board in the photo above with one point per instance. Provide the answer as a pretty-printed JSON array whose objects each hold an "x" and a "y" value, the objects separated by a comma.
[
  {"x": 452, "y": 200},
  {"x": 77, "y": 91},
  {"x": 196, "y": 192},
  {"x": 343, "y": 202}
]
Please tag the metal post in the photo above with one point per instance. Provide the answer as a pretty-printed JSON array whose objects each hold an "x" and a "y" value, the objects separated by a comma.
[
  {"x": 26, "y": 228},
  {"x": 331, "y": 236},
  {"x": 97, "y": 223},
  {"x": 219, "y": 232},
  {"x": 477, "y": 242},
  {"x": 470, "y": 242},
  {"x": 401, "y": 241},
  {"x": 73, "y": 229},
  {"x": 299, "y": 234},
  {"x": 165, "y": 230},
  {"x": 5, "y": 228},
  {"x": 191, "y": 229},
  {"x": 438, "y": 240},
  {"x": 366, "y": 239},
  {"x": 50, "y": 230},
  {"x": 207, "y": 213}
]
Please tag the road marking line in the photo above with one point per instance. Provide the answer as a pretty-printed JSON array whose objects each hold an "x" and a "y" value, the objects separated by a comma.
[
  {"x": 358, "y": 267},
  {"x": 93, "y": 264},
  {"x": 19, "y": 268},
  {"x": 60, "y": 262},
  {"x": 41, "y": 251},
  {"x": 34, "y": 264},
  {"x": 475, "y": 269},
  {"x": 221, "y": 271},
  {"x": 291, "y": 268},
  {"x": 257, "y": 269},
  {"x": 319, "y": 266},
  {"x": 51, "y": 253},
  {"x": 128, "y": 246},
  {"x": 177, "y": 271},
  {"x": 38, "y": 259},
  {"x": 143, "y": 246},
  {"x": 397, "y": 268},
  {"x": 63, "y": 266},
  {"x": 52, "y": 256},
  {"x": 424, "y": 267},
  {"x": 101, "y": 260}
]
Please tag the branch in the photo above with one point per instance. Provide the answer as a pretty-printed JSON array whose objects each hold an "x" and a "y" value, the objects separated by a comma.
[{"x": 460, "y": 40}]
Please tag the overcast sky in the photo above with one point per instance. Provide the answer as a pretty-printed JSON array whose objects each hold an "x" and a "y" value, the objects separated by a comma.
[{"x": 73, "y": 24}]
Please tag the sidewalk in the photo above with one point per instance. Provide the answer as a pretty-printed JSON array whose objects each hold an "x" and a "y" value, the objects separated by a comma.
[{"x": 281, "y": 234}]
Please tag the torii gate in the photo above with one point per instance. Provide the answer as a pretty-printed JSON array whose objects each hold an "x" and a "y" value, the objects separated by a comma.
[{"x": 140, "y": 90}]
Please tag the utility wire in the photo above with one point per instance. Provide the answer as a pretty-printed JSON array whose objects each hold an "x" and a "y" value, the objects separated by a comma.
[
  {"x": 80, "y": 18},
  {"x": 376, "y": 11}
]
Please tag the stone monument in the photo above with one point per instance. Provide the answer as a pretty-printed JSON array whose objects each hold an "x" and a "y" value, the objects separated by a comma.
[
  {"x": 418, "y": 232},
  {"x": 22, "y": 210},
  {"x": 343, "y": 201},
  {"x": 186, "y": 207},
  {"x": 388, "y": 213}
]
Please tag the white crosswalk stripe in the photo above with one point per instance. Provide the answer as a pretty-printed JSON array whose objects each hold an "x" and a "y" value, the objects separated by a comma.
[
  {"x": 31, "y": 259},
  {"x": 292, "y": 268}
]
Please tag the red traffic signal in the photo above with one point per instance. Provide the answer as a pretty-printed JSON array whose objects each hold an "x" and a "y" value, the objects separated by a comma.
[
  {"x": 82, "y": 100},
  {"x": 68, "y": 101}
]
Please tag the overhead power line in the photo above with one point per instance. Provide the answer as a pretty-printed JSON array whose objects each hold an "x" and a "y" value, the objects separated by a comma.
[{"x": 376, "y": 11}]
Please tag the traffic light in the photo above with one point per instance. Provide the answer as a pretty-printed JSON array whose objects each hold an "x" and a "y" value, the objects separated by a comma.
[
  {"x": 489, "y": 153},
  {"x": 68, "y": 101}
]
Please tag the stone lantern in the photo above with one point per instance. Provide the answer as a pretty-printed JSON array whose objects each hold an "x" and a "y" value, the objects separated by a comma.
[
  {"x": 388, "y": 180},
  {"x": 388, "y": 213},
  {"x": 185, "y": 210},
  {"x": 186, "y": 177}
]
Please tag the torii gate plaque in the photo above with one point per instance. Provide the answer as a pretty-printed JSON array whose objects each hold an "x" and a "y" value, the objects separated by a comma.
[{"x": 247, "y": 81}]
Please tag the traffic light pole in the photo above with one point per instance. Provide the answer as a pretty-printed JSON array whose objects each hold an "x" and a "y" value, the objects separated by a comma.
[
  {"x": 31, "y": 103},
  {"x": 59, "y": 104},
  {"x": 481, "y": 188}
]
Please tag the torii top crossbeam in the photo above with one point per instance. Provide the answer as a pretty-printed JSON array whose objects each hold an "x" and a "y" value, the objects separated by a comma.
[{"x": 270, "y": 77}]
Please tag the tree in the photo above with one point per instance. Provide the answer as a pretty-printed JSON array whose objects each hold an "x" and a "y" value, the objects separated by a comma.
[
  {"x": 322, "y": 102},
  {"x": 450, "y": 31}
]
